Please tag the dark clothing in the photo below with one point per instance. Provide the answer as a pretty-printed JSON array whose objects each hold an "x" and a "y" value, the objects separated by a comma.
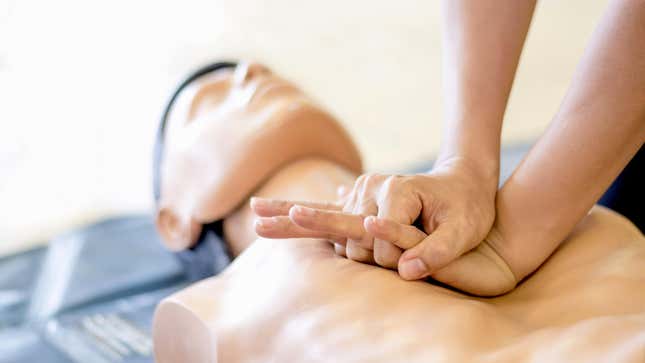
[{"x": 627, "y": 194}]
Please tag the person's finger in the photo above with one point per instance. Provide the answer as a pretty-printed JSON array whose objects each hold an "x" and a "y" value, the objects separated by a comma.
[
  {"x": 365, "y": 208},
  {"x": 264, "y": 207},
  {"x": 283, "y": 227},
  {"x": 342, "y": 192},
  {"x": 352, "y": 200},
  {"x": 340, "y": 249},
  {"x": 386, "y": 254},
  {"x": 365, "y": 205},
  {"x": 434, "y": 252},
  {"x": 402, "y": 235},
  {"x": 481, "y": 271},
  {"x": 396, "y": 203},
  {"x": 330, "y": 222},
  {"x": 398, "y": 200},
  {"x": 353, "y": 250},
  {"x": 352, "y": 196},
  {"x": 357, "y": 253},
  {"x": 349, "y": 200}
]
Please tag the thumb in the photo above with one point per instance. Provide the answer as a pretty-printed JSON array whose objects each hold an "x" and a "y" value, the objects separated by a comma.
[{"x": 435, "y": 251}]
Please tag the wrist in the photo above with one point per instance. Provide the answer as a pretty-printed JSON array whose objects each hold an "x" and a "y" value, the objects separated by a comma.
[
  {"x": 483, "y": 169},
  {"x": 474, "y": 139}
]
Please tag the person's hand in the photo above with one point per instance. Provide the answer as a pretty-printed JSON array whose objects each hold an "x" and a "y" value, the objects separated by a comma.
[
  {"x": 455, "y": 204},
  {"x": 480, "y": 271}
]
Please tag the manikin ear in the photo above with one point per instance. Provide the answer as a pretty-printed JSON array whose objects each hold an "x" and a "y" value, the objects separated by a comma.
[{"x": 178, "y": 232}]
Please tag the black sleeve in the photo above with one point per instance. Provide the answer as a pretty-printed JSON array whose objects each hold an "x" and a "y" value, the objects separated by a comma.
[{"x": 626, "y": 195}]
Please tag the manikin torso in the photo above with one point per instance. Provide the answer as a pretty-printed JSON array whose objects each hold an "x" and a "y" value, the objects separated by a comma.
[{"x": 296, "y": 301}]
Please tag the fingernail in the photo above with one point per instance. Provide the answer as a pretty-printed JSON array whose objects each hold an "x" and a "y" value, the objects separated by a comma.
[
  {"x": 258, "y": 200},
  {"x": 265, "y": 222},
  {"x": 304, "y": 211},
  {"x": 413, "y": 269},
  {"x": 379, "y": 222}
]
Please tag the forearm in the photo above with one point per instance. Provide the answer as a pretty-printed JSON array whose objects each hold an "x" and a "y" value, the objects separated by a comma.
[
  {"x": 482, "y": 43},
  {"x": 600, "y": 126}
]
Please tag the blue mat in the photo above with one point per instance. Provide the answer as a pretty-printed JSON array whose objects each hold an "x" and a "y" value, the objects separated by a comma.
[{"x": 88, "y": 297}]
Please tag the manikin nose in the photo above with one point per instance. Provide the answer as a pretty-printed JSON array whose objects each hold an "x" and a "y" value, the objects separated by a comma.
[{"x": 247, "y": 71}]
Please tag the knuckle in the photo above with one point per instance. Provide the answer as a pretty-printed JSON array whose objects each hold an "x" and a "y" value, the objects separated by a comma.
[
  {"x": 408, "y": 181},
  {"x": 285, "y": 226},
  {"x": 369, "y": 178},
  {"x": 389, "y": 187},
  {"x": 367, "y": 242},
  {"x": 366, "y": 206},
  {"x": 382, "y": 259},
  {"x": 366, "y": 194},
  {"x": 372, "y": 179},
  {"x": 360, "y": 180},
  {"x": 393, "y": 179},
  {"x": 393, "y": 183},
  {"x": 367, "y": 185},
  {"x": 381, "y": 228},
  {"x": 396, "y": 189},
  {"x": 438, "y": 253}
]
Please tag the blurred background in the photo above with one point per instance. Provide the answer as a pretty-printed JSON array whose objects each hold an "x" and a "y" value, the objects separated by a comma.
[{"x": 82, "y": 84}]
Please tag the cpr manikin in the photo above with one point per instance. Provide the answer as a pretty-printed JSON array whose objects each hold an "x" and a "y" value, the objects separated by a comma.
[{"x": 242, "y": 132}]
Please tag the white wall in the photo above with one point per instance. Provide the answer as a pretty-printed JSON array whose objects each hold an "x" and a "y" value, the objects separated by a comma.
[{"x": 82, "y": 84}]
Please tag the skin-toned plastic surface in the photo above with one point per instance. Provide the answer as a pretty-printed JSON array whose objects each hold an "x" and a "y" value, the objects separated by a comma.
[
  {"x": 298, "y": 301},
  {"x": 228, "y": 132}
]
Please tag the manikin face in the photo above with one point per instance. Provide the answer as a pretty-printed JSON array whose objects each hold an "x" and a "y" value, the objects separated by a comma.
[
  {"x": 216, "y": 150},
  {"x": 247, "y": 93}
]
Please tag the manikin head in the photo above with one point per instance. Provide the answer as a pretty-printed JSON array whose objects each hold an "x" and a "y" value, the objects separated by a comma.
[{"x": 226, "y": 132}]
